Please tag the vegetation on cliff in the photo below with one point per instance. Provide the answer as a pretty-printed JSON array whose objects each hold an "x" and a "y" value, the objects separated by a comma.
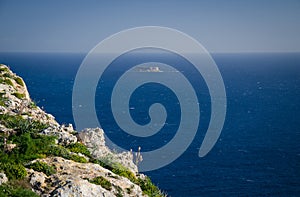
[{"x": 40, "y": 157}]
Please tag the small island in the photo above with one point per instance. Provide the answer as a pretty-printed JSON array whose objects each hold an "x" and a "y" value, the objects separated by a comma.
[{"x": 149, "y": 69}]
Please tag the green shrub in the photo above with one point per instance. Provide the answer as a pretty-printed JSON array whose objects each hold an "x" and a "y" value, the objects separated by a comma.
[
  {"x": 23, "y": 183},
  {"x": 149, "y": 188},
  {"x": 77, "y": 158},
  {"x": 19, "y": 81},
  {"x": 32, "y": 105},
  {"x": 79, "y": 148},
  {"x": 146, "y": 185},
  {"x": 8, "y": 82},
  {"x": 19, "y": 95},
  {"x": 30, "y": 144},
  {"x": 8, "y": 75},
  {"x": 3, "y": 100},
  {"x": 29, "y": 147},
  {"x": 123, "y": 171},
  {"x": 61, "y": 151},
  {"x": 21, "y": 125},
  {"x": 117, "y": 168},
  {"x": 3, "y": 69},
  {"x": 13, "y": 170},
  {"x": 42, "y": 167},
  {"x": 101, "y": 181},
  {"x": 15, "y": 191}
]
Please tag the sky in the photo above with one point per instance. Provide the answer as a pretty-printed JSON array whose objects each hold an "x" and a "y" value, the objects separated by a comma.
[{"x": 220, "y": 26}]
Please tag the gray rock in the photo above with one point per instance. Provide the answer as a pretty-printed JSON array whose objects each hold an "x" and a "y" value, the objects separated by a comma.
[
  {"x": 81, "y": 188},
  {"x": 3, "y": 110},
  {"x": 67, "y": 128},
  {"x": 3, "y": 178},
  {"x": 37, "y": 180},
  {"x": 71, "y": 180},
  {"x": 95, "y": 141},
  {"x": 63, "y": 137}
]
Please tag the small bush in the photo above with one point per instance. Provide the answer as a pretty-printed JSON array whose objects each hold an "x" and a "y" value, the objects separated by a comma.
[
  {"x": 57, "y": 150},
  {"x": 3, "y": 69},
  {"x": 3, "y": 100},
  {"x": 19, "y": 95},
  {"x": 29, "y": 147},
  {"x": 13, "y": 170},
  {"x": 103, "y": 182},
  {"x": 61, "y": 151},
  {"x": 123, "y": 171},
  {"x": 32, "y": 105},
  {"x": 15, "y": 191},
  {"x": 21, "y": 125},
  {"x": 77, "y": 158},
  {"x": 42, "y": 167},
  {"x": 23, "y": 183},
  {"x": 19, "y": 81},
  {"x": 79, "y": 148},
  {"x": 149, "y": 188},
  {"x": 117, "y": 168},
  {"x": 8, "y": 82},
  {"x": 8, "y": 75}
]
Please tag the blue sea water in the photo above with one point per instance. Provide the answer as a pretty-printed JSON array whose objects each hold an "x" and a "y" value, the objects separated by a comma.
[{"x": 258, "y": 153}]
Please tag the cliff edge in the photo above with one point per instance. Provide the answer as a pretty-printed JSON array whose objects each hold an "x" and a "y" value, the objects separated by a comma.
[{"x": 40, "y": 157}]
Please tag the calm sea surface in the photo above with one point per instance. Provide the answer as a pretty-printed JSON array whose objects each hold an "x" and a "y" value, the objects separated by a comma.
[{"x": 258, "y": 152}]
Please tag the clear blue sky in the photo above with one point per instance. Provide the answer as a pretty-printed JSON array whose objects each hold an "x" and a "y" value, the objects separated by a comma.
[{"x": 221, "y": 26}]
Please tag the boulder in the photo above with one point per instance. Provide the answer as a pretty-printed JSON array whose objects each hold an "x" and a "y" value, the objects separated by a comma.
[
  {"x": 94, "y": 140},
  {"x": 3, "y": 178}
]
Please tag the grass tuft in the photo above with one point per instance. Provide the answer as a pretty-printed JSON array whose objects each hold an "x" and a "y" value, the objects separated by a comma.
[
  {"x": 15, "y": 191},
  {"x": 19, "y": 81},
  {"x": 19, "y": 95},
  {"x": 79, "y": 148},
  {"x": 21, "y": 125},
  {"x": 42, "y": 167},
  {"x": 103, "y": 182}
]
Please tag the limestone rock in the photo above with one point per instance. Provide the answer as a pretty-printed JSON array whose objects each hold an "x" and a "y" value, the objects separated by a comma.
[
  {"x": 6, "y": 131},
  {"x": 37, "y": 181},
  {"x": 62, "y": 133},
  {"x": 80, "y": 188},
  {"x": 72, "y": 178},
  {"x": 95, "y": 141},
  {"x": 3, "y": 178},
  {"x": 9, "y": 147},
  {"x": 3, "y": 110}
]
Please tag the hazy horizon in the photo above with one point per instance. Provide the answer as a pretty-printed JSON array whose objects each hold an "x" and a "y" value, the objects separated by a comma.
[{"x": 221, "y": 27}]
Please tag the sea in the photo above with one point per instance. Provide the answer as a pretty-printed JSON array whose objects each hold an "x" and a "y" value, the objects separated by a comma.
[{"x": 258, "y": 151}]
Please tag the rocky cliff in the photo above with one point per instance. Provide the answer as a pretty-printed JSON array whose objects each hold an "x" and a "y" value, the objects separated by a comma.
[{"x": 39, "y": 157}]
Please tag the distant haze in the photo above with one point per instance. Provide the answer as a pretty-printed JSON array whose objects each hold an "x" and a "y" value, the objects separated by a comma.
[{"x": 220, "y": 26}]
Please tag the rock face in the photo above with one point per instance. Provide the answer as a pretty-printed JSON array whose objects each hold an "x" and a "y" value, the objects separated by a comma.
[
  {"x": 80, "y": 188},
  {"x": 16, "y": 99},
  {"x": 95, "y": 142},
  {"x": 71, "y": 178},
  {"x": 3, "y": 178},
  {"x": 63, "y": 134}
]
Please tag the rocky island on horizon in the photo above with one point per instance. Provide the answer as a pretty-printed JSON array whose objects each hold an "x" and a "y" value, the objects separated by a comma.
[{"x": 40, "y": 157}]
